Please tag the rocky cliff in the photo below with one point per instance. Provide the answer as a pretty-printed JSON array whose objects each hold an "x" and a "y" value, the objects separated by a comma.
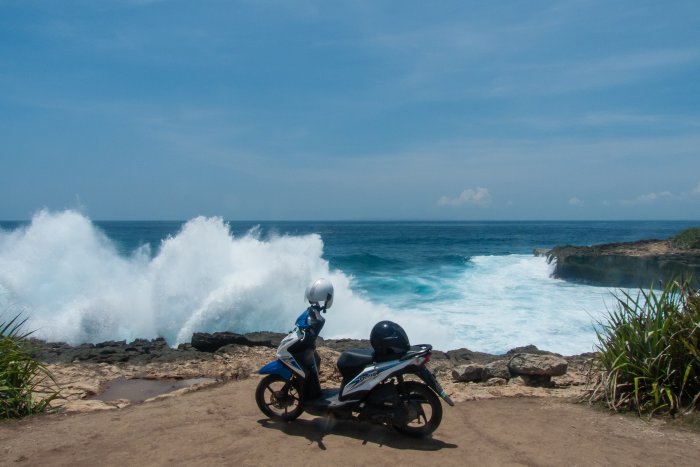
[{"x": 636, "y": 264}]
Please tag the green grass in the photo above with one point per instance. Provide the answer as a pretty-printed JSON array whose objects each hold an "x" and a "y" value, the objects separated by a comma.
[
  {"x": 26, "y": 386},
  {"x": 689, "y": 238},
  {"x": 647, "y": 357}
]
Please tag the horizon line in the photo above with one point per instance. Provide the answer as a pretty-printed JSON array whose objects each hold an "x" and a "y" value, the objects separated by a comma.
[{"x": 374, "y": 220}]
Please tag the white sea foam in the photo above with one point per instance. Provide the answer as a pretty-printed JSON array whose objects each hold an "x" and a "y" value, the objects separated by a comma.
[
  {"x": 74, "y": 286},
  {"x": 509, "y": 301}
]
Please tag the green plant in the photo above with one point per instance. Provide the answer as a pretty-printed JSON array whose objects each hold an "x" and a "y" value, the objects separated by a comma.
[
  {"x": 648, "y": 358},
  {"x": 689, "y": 238},
  {"x": 26, "y": 386}
]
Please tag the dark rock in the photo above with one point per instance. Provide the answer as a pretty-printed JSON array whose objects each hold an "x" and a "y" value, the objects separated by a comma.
[
  {"x": 342, "y": 345},
  {"x": 531, "y": 349},
  {"x": 264, "y": 339},
  {"x": 472, "y": 372},
  {"x": 635, "y": 264},
  {"x": 102, "y": 345},
  {"x": 206, "y": 342},
  {"x": 541, "y": 252},
  {"x": 498, "y": 369},
  {"x": 466, "y": 356},
  {"x": 138, "y": 351},
  {"x": 524, "y": 349},
  {"x": 537, "y": 380}
]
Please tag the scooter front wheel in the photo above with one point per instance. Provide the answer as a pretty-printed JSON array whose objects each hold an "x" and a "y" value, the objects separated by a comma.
[{"x": 278, "y": 398}]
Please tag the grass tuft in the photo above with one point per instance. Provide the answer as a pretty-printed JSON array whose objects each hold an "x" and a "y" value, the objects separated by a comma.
[
  {"x": 26, "y": 386},
  {"x": 647, "y": 355}
]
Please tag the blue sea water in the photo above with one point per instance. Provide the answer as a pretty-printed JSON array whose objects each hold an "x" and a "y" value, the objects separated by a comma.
[{"x": 452, "y": 284}]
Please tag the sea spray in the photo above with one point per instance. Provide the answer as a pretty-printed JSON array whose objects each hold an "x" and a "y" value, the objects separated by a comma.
[
  {"x": 511, "y": 300},
  {"x": 75, "y": 285}
]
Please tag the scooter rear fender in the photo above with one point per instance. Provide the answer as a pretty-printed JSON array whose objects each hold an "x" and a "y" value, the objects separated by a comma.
[{"x": 433, "y": 384}]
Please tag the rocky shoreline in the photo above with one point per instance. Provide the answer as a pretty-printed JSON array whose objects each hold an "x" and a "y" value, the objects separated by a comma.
[
  {"x": 638, "y": 264},
  {"x": 84, "y": 371}
]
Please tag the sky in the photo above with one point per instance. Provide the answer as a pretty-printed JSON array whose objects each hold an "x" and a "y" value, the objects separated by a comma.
[{"x": 350, "y": 110}]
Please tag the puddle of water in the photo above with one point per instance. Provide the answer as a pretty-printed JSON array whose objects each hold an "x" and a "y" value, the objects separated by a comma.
[{"x": 138, "y": 390}]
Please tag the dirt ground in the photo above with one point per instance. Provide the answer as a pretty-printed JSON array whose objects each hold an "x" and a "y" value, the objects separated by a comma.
[{"x": 221, "y": 425}]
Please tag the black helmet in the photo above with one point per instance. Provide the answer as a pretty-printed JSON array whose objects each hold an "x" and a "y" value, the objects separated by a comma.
[{"x": 388, "y": 338}]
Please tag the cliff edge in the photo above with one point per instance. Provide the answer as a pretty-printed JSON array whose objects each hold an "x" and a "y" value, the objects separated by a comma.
[{"x": 642, "y": 264}]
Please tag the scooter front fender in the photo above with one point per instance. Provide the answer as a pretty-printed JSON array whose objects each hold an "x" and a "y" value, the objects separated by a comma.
[{"x": 276, "y": 367}]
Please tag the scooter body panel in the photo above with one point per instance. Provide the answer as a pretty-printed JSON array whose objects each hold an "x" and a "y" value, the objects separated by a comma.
[{"x": 276, "y": 367}]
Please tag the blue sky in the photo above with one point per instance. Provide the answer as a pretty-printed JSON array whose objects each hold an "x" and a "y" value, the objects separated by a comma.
[{"x": 255, "y": 110}]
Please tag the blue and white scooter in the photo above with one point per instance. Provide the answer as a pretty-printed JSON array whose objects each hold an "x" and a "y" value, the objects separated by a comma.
[{"x": 373, "y": 385}]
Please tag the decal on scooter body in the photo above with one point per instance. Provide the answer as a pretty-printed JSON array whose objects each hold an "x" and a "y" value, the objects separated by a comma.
[
  {"x": 375, "y": 374},
  {"x": 286, "y": 357}
]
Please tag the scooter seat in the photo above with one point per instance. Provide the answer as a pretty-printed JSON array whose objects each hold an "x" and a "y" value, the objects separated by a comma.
[
  {"x": 355, "y": 357},
  {"x": 352, "y": 361}
]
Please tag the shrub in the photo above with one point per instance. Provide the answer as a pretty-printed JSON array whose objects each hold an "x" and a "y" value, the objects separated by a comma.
[
  {"x": 689, "y": 238},
  {"x": 648, "y": 358},
  {"x": 26, "y": 386}
]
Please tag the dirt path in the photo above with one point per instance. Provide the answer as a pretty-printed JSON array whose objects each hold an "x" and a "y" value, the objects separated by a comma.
[{"x": 222, "y": 426}]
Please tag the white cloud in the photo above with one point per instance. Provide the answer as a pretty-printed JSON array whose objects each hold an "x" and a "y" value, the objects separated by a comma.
[
  {"x": 480, "y": 197},
  {"x": 647, "y": 198},
  {"x": 575, "y": 201},
  {"x": 696, "y": 190}
]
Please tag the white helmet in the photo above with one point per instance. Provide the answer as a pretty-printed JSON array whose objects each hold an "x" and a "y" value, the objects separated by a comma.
[{"x": 321, "y": 290}]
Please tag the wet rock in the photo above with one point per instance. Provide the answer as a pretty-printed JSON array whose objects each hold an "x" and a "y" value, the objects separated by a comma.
[
  {"x": 541, "y": 252},
  {"x": 633, "y": 264},
  {"x": 206, "y": 342},
  {"x": 110, "y": 352},
  {"x": 102, "y": 345}
]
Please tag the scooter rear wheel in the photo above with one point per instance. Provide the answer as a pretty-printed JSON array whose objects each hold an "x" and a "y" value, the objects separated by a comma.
[
  {"x": 278, "y": 398},
  {"x": 423, "y": 407}
]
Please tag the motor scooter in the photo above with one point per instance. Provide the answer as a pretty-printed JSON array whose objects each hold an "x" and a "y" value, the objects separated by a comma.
[{"x": 388, "y": 384}]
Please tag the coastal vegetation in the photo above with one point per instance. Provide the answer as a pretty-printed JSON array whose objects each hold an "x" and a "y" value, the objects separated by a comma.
[
  {"x": 648, "y": 359},
  {"x": 26, "y": 386},
  {"x": 687, "y": 239}
]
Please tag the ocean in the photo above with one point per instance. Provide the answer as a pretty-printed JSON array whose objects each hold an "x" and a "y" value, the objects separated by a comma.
[{"x": 451, "y": 284}]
